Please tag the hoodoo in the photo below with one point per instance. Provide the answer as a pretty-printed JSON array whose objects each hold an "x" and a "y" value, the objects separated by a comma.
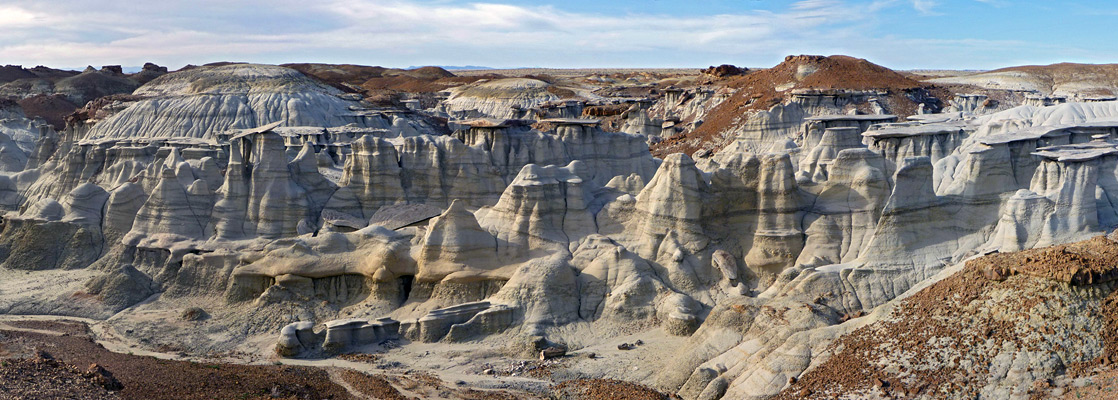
[{"x": 823, "y": 228}]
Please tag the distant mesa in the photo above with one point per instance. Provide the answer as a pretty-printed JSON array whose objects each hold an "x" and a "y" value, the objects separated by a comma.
[{"x": 453, "y": 67}]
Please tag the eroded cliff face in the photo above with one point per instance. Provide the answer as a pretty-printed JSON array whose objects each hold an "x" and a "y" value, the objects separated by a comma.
[{"x": 753, "y": 258}]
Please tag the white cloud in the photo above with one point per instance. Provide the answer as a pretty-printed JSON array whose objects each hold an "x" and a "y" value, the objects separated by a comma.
[
  {"x": 15, "y": 17},
  {"x": 77, "y": 33},
  {"x": 74, "y": 33},
  {"x": 925, "y": 7}
]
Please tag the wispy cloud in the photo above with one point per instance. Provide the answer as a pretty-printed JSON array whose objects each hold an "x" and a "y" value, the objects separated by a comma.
[
  {"x": 74, "y": 33},
  {"x": 925, "y": 7}
]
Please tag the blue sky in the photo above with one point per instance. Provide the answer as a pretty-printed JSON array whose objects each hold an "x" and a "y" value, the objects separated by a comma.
[{"x": 901, "y": 34}]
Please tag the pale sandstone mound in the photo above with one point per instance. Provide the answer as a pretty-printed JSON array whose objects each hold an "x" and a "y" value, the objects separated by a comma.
[
  {"x": 455, "y": 243},
  {"x": 24, "y": 131},
  {"x": 671, "y": 201},
  {"x": 203, "y": 101},
  {"x": 500, "y": 98},
  {"x": 852, "y": 200},
  {"x": 896, "y": 142},
  {"x": 51, "y": 235},
  {"x": 334, "y": 267},
  {"x": 12, "y": 157},
  {"x": 1081, "y": 81},
  {"x": 1048, "y": 121},
  {"x": 543, "y": 210},
  {"x": 456, "y": 323},
  {"x": 120, "y": 210},
  {"x": 621, "y": 290},
  {"x": 167, "y": 215},
  {"x": 814, "y": 164},
  {"x": 357, "y": 332}
]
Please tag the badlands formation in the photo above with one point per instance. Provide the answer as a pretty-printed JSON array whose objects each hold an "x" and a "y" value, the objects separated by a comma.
[{"x": 826, "y": 227}]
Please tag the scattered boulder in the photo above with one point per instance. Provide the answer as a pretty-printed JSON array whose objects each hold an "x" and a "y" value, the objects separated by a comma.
[
  {"x": 102, "y": 377},
  {"x": 552, "y": 352},
  {"x": 194, "y": 314}
]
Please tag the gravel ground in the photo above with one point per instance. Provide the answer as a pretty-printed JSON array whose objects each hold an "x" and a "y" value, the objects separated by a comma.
[
  {"x": 604, "y": 389},
  {"x": 143, "y": 377},
  {"x": 45, "y": 378},
  {"x": 60, "y": 360}
]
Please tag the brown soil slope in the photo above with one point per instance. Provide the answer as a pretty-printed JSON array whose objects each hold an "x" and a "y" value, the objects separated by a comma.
[
  {"x": 147, "y": 377},
  {"x": 950, "y": 339},
  {"x": 604, "y": 389},
  {"x": 43, "y": 359},
  {"x": 385, "y": 86},
  {"x": 53, "y": 108},
  {"x": 352, "y": 78}
]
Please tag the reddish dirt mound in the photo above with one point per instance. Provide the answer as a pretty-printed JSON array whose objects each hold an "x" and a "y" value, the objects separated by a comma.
[
  {"x": 152, "y": 378},
  {"x": 429, "y": 73},
  {"x": 833, "y": 72},
  {"x": 359, "y": 78},
  {"x": 93, "y": 109},
  {"x": 757, "y": 91},
  {"x": 335, "y": 74},
  {"x": 385, "y": 86},
  {"x": 53, "y": 108},
  {"x": 1082, "y": 263}
]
